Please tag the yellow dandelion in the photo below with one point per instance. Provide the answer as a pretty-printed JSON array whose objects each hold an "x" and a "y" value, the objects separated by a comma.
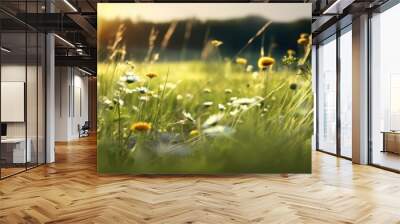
[
  {"x": 264, "y": 62},
  {"x": 241, "y": 61},
  {"x": 194, "y": 133},
  {"x": 302, "y": 41},
  {"x": 141, "y": 126},
  {"x": 151, "y": 75},
  {"x": 216, "y": 43}
]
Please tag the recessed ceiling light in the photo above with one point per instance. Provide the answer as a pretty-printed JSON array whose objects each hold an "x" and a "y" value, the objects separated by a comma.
[
  {"x": 84, "y": 71},
  {"x": 337, "y": 7},
  {"x": 70, "y": 5},
  {"x": 5, "y": 50},
  {"x": 64, "y": 40}
]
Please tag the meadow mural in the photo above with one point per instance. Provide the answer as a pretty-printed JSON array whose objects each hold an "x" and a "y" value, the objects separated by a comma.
[{"x": 204, "y": 88}]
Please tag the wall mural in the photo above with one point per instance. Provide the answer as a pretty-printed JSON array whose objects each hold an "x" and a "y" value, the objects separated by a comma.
[{"x": 204, "y": 88}]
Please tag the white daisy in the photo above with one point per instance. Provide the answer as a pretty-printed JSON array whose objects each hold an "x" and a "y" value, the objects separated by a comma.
[
  {"x": 244, "y": 101},
  {"x": 188, "y": 116},
  {"x": 130, "y": 77},
  {"x": 218, "y": 130},
  {"x": 208, "y": 104},
  {"x": 207, "y": 90},
  {"x": 212, "y": 120},
  {"x": 144, "y": 98},
  {"x": 142, "y": 90},
  {"x": 189, "y": 96}
]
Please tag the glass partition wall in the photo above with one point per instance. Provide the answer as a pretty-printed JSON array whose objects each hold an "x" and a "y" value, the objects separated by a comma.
[
  {"x": 334, "y": 93},
  {"x": 334, "y": 105},
  {"x": 327, "y": 95},
  {"x": 385, "y": 89},
  {"x": 22, "y": 94},
  {"x": 345, "y": 91}
]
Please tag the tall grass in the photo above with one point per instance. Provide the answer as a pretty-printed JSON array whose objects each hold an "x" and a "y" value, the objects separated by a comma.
[
  {"x": 269, "y": 135},
  {"x": 204, "y": 116}
]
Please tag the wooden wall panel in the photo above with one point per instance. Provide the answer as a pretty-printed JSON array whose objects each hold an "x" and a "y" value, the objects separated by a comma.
[{"x": 93, "y": 103}]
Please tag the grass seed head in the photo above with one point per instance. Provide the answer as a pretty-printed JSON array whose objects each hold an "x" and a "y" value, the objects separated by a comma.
[
  {"x": 291, "y": 52},
  {"x": 304, "y": 35},
  {"x": 216, "y": 43},
  {"x": 302, "y": 41},
  {"x": 293, "y": 86}
]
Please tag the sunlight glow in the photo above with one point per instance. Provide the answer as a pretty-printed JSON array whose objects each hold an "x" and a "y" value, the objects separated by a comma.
[{"x": 157, "y": 12}]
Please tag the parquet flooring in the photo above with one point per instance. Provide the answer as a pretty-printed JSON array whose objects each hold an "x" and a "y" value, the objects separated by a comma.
[
  {"x": 10, "y": 171},
  {"x": 70, "y": 191}
]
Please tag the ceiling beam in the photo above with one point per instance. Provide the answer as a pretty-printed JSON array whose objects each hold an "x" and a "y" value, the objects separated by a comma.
[
  {"x": 76, "y": 61},
  {"x": 337, "y": 7},
  {"x": 84, "y": 24}
]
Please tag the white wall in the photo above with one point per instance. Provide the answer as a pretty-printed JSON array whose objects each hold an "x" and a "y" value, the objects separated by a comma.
[
  {"x": 71, "y": 102},
  {"x": 62, "y": 82},
  {"x": 80, "y": 110},
  {"x": 50, "y": 94},
  {"x": 16, "y": 73},
  {"x": 9, "y": 73}
]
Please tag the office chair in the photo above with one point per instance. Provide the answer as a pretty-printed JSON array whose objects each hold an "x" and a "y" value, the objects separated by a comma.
[{"x": 84, "y": 130}]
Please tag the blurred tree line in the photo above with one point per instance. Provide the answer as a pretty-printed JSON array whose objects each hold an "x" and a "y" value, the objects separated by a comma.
[{"x": 186, "y": 39}]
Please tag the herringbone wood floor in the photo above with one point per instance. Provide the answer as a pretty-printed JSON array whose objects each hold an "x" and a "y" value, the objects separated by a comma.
[{"x": 70, "y": 191}]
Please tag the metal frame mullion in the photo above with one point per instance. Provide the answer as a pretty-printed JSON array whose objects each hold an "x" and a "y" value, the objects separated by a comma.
[
  {"x": 45, "y": 88},
  {"x": 316, "y": 97},
  {"x": 0, "y": 94},
  {"x": 338, "y": 82},
  {"x": 37, "y": 91},
  {"x": 369, "y": 91},
  {"x": 26, "y": 87}
]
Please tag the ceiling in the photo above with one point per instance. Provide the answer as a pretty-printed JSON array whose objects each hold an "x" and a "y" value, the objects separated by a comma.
[{"x": 75, "y": 21}]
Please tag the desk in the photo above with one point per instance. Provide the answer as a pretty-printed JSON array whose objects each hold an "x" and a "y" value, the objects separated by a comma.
[
  {"x": 391, "y": 141},
  {"x": 15, "y": 148}
]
